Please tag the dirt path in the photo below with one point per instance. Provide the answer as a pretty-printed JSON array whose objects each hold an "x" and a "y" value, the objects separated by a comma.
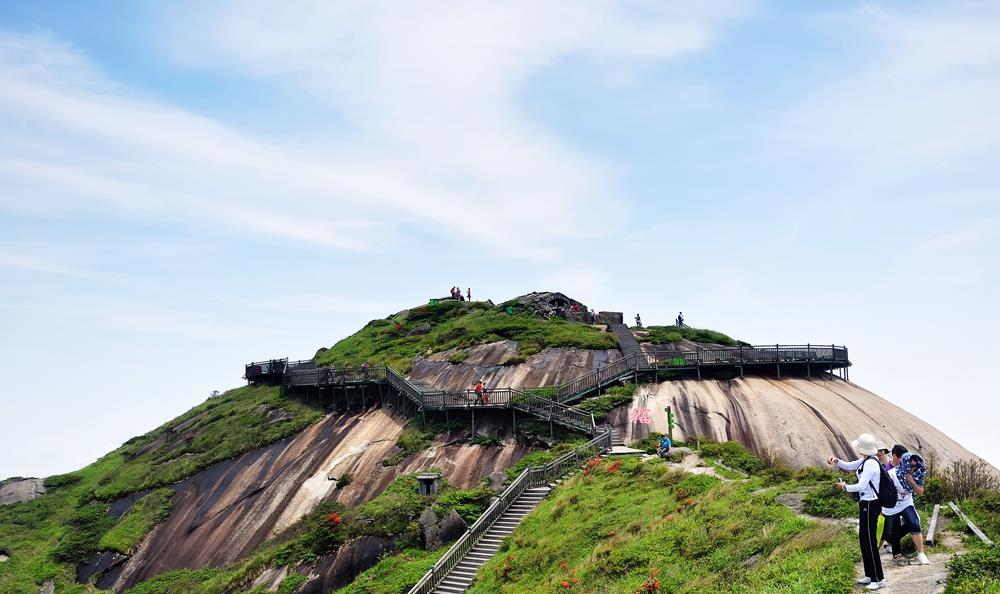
[{"x": 914, "y": 578}]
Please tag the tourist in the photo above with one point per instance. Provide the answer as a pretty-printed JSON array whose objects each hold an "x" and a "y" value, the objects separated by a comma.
[
  {"x": 908, "y": 475},
  {"x": 663, "y": 449},
  {"x": 480, "y": 390},
  {"x": 867, "y": 469},
  {"x": 593, "y": 316},
  {"x": 468, "y": 293},
  {"x": 680, "y": 319},
  {"x": 638, "y": 321}
]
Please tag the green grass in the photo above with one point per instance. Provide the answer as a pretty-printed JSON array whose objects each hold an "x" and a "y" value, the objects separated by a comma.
[
  {"x": 454, "y": 324},
  {"x": 394, "y": 574},
  {"x": 975, "y": 572},
  {"x": 410, "y": 442},
  {"x": 125, "y": 536},
  {"x": 828, "y": 501},
  {"x": 47, "y": 535},
  {"x": 611, "y": 530},
  {"x": 672, "y": 334},
  {"x": 610, "y": 399}
]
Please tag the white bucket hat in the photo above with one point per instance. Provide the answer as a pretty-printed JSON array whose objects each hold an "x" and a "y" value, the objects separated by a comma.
[{"x": 865, "y": 444}]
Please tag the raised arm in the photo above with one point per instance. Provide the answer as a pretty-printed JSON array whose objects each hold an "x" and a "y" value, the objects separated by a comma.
[{"x": 869, "y": 473}]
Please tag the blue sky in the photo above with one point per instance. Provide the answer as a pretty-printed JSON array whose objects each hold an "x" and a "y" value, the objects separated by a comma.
[{"x": 187, "y": 187}]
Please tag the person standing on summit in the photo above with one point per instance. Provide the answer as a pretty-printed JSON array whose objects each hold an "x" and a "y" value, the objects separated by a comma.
[{"x": 868, "y": 470}]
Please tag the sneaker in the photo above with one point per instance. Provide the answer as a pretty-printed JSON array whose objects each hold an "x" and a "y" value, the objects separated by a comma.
[
  {"x": 863, "y": 581},
  {"x": 922, "y": 558},
  {"x": 875, "y": 585}
]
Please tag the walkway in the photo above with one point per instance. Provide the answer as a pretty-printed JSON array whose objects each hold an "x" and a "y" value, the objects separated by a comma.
[{"x": 552, "y": 403}]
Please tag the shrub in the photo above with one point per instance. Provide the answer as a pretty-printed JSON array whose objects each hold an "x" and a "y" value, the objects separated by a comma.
[
  {"x": 458, "y": 357},
  {"x": 733, "y": 454},
  {"x": 963, "y": 479},
  {"x": 829, "y": 502},
  {"x": 612, "y": 398},
  {"x": 86, "y": 526},
  {"x": 974, "y": 572},
  {"x": 469, "y": 503}
]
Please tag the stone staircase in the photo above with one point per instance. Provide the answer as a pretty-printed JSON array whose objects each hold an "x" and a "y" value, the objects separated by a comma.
[
  {"x": 460, "y": 578},
  {"x": 617, "y": 437},
  {"x": 626, "y": 340}
]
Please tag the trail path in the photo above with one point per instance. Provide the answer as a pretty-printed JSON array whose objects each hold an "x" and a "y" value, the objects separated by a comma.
[{"x": 929, "y": 579}]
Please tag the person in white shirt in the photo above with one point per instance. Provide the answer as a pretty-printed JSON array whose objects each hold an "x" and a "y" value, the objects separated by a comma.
[
  {"x": 867, "y": 469},
  {"x": 902, "y": 517}
]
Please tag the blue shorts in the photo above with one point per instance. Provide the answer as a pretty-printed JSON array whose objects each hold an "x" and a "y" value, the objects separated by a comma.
[{"x": 908, "y": 521}]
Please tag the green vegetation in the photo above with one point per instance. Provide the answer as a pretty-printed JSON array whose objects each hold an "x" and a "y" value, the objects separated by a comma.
[
  {"x": 48, "y": 535},
  {"x": 672, "y": 334},
  {"x": 625, "y": 523},
  {"x": 829, "y": 502},
  {"x": 410, "y": 442},
  {"x": 394, "y": 574},
  {"x": 541, "y": 457},
  {"x": 452, "y": 324},
  {"x": 734, "y": 455},
  {"x": 611, "y": 398},
  {"x": 136, "y": 524},
  {"x": 469, "y": 503},
  {"x": 976, "y": 572}
]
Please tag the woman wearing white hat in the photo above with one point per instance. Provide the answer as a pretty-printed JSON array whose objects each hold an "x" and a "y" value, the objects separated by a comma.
[{"x": 867, "y": 469}]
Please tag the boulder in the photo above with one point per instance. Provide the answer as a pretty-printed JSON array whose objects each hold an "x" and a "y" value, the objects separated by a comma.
[
  {"x": 419, "y": 330},
  {"x": 428, "y": 523},
  {"x": 451, "y": 528},
  {"x": 548, "y": 304},
  {"x": 339, "y": 569},
  {"x": 270, "y": 580},
  {"x": 435, "y": 532},
  {"x": 18, "y": 490}
]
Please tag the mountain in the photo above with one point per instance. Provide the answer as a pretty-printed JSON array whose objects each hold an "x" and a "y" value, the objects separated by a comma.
[{"x": 244, "y": 487}]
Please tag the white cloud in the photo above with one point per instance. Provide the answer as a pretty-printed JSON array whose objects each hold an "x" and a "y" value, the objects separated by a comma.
[
  {"x": 927, "y": 98},
  {"x": 431, "y": 90}
]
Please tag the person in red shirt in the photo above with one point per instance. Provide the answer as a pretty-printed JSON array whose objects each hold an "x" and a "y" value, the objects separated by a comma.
[{"x": 481, "y": 391}]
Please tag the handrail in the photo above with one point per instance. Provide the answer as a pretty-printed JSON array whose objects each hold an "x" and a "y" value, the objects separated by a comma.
[{"x": 532, "y": 476}]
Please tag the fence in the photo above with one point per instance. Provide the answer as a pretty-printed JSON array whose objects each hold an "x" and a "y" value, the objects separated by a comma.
[{"x": 532, "y": 476}]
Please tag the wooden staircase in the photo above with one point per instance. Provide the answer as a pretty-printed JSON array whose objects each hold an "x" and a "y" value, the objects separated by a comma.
[
  {"x": 626, "y": 340},
  {"x": 460, "y": 578}
]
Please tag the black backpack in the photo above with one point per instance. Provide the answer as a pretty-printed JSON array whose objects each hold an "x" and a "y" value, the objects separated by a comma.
[{"x": 886, "y": 492}]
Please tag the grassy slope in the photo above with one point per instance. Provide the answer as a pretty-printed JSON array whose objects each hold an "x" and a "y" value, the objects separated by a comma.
[
  {"x": 454, "y": 324},
  {"x": 47, "y": 535},
  {"x": 611, "y": 530},
  {"x": 672, "y": 334}
]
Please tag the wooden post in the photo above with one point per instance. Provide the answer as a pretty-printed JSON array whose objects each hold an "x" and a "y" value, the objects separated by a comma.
[
  {"x": 975, "y": 529},
  {"x": 777, "y": 359},
  {"x": 932, "y": 527}
]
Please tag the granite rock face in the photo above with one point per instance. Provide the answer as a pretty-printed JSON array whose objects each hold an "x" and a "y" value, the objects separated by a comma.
[
  {"x": 802, "y": 421},
  {"x": 17, "y": 490},
  {"x": 225, "y": 512}
]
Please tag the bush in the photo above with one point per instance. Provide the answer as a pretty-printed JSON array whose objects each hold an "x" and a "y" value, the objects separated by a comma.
[
  {"x": 86, "y": 526},
  {"x": 458, "y": 357},
  {"x": 612, "y": 398},
  {"x": 963, "y": 479},
  {"x": 829, "y": 502},
  {"x": 469, "y": 503},
  {"x": 974, "y": 572},
  {"x": 733, "y": 454}
]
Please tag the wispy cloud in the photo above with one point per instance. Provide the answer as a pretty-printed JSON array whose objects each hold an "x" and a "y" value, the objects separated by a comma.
[
  {"x": 927, "y": 97},
  {"x": 438, "y": 140}
]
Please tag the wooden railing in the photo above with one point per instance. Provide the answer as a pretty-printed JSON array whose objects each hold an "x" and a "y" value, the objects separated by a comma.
[{"x": 533, "y": 476}]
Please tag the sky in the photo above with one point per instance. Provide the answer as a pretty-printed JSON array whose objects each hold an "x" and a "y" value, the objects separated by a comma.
[{"x": 186, "y": 187}]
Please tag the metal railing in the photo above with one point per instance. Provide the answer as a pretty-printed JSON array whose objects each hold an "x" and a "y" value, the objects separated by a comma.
[
  {"x": 331, "y": 376},
  {"x": 532, "y": 476},
  {"x": 751, "y": 355}
]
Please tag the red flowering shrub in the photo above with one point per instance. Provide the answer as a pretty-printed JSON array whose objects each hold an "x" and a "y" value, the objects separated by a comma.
[
  {"x": 508, "y": 566},
  {"x": 334, "y": 519},
  {"x": 652, "y": 584},
  {"x": 615, "y": 466},
  {"x": 592, "y": 465}
]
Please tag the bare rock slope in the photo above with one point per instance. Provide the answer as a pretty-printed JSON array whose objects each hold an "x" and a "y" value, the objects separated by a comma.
[
  {"x": 803, "y": 421},
  {"x": 225, "y": 512}
]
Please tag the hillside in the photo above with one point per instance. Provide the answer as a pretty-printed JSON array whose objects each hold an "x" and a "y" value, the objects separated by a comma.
[{"x": 240, "y": 490}]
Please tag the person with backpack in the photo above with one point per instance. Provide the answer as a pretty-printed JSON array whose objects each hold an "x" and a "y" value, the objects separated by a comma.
[
  {"x": 908, "y": 476},
  {"x": 480, "y": 390},
  {"x": 869, "y": 497}
]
